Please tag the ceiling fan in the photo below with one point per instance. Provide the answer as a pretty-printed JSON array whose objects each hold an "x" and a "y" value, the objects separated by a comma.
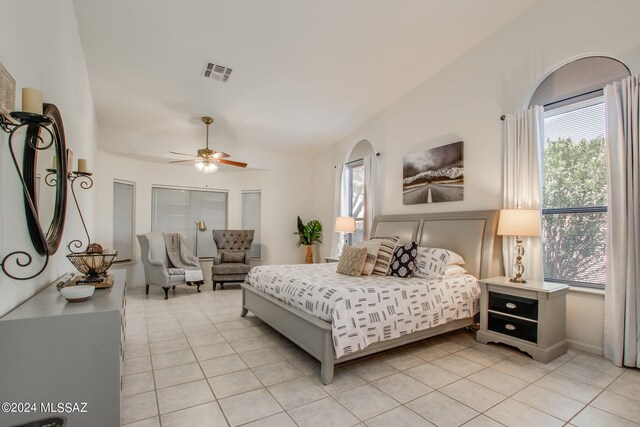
[{"x": 207, "y": 160}]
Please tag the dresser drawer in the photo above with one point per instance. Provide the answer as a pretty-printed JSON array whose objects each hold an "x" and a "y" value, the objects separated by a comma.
[
  {"x": 516, "y": 306},
  {"x": 513, "y": 327}
]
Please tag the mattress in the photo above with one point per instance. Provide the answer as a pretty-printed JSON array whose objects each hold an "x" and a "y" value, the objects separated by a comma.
[{"x": 368, "y": 309}]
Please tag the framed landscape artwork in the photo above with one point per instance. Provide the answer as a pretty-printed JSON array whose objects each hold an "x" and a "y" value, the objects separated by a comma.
[
  {"x": 435, "y": 175},
  {"x": 7, "y": 92}
]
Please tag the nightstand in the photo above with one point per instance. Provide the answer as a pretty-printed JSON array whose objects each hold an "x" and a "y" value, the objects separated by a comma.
[
  {"x": 529, "y": 316},
  {"x": 332, "y": 259}
]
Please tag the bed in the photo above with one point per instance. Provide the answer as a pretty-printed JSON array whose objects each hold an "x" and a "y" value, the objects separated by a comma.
[{"x": 308, "y": 322}]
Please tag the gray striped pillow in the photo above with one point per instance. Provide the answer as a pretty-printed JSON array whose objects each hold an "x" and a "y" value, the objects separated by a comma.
[
  {"x": 385, "y": 254},
  {"x": 372, "y": 254}
]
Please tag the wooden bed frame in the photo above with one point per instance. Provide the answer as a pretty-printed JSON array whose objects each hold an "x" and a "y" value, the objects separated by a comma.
[{"x": 471, "y": 234}]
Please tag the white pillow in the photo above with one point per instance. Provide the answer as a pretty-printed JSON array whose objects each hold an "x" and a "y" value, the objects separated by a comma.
[
  {"x": 454, "y": 270},
  {"x": 431, "y": 263},
  {"x": 372, "y": 254},
  {"x": 455, "y": 259}
]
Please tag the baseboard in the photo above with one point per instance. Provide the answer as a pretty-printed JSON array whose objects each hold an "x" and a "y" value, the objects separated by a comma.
[
  {"x": 142, "y": 285},
  {"x": 577, "y": 345}
]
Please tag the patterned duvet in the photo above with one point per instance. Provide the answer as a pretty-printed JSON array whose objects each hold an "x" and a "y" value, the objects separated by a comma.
[{"x": 367, "y": 309}]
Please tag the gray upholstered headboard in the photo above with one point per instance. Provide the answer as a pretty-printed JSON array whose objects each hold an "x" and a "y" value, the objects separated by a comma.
[{"x": 472, "y": 234}]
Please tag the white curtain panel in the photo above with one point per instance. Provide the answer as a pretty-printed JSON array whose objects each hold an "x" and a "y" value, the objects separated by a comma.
[
  {"x": 622, "y": 291},
  {"x": 370, "y": 196},
  {"x": 340, "y": 203},
  {"x": 523, "y": 144}
]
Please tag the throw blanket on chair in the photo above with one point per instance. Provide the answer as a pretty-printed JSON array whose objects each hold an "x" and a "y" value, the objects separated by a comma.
[{"x": 180, "y": 256}]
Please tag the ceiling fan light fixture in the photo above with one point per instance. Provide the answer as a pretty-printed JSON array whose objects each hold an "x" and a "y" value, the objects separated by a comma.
[
  {"x": 206, "y": 160},
  {"x": 209, "y": 167}
]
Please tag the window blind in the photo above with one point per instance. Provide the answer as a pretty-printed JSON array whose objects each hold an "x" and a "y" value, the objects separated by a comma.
[
  {"x": 251, "y": 218},
  {"x": 574, "y": 204},
  {"x": 176, "y": 210},
  {"x": 123, "y": 220}
]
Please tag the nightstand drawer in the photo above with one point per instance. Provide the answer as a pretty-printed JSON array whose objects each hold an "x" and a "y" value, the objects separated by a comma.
[
  {"x": 513, "y": 327},
  {"x": 516, "y": 306}
]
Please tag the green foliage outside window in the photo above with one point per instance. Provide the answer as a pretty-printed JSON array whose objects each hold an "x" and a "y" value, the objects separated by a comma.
[{"x": 575, "y": 176}]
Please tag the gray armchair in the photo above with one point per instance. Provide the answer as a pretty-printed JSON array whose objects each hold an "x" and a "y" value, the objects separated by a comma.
[
  {"x": 233, "y": 261},
  {"x": 157, "y": 267}
]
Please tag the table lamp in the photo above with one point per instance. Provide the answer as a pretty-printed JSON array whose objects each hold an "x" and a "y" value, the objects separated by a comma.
[
  {"x": 345, "y": 225},
  {"x": 519, "y": 223}
]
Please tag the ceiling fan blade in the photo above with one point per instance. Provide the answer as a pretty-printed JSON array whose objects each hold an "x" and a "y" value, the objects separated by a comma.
[
  {"x": 232, "y": 163},
  {"x": 183, "y": 161},
  {"x": 182, "y": 154},
  {"x": 220, "y": 155}
]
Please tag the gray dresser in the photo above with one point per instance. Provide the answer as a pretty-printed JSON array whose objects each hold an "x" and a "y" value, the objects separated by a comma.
[
  {"x": 530, "y": 316},
  {"x": 53, "y": 352}
]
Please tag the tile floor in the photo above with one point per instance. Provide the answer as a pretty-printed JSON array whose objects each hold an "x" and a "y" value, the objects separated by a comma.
[{"x": 192, "y": 361}]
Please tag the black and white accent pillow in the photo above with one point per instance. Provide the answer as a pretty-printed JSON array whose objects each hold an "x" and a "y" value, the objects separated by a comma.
[
  {"x": 431, "y": 263},
  {"x": 403, "y": 262},
  {"x": 385, "y": 254}
]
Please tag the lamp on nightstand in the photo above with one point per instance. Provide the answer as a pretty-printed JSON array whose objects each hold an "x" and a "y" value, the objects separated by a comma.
[
  {"x": 519, "y": 223},
  {"x": 345, "y": 225}
]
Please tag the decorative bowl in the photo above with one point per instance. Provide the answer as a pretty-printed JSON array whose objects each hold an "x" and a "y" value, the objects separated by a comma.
[
  {"x": 77, "y": 293},
  {"x": 94, "y": 266}
]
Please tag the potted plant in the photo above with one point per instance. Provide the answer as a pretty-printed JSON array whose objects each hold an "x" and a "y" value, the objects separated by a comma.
[{"x": 308, "y": 234}]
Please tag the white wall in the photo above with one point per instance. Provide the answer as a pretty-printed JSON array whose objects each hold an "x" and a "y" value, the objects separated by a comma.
[
  {"x": 285, "y": 194},
  {"x": 465, "y": 100},
  {"x": 41, "y": 48}
]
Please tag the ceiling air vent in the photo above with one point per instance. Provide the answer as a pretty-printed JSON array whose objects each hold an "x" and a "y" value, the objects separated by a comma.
[{"x": 216, "y": 72}]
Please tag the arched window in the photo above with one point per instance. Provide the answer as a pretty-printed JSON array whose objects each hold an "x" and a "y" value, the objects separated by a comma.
[
  {"x": 574, "y": 175},
  {"x": 358, "y": 185}
]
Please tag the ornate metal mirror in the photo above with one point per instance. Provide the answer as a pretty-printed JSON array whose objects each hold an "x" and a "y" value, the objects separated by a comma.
[{"x": 46, "y": 182}]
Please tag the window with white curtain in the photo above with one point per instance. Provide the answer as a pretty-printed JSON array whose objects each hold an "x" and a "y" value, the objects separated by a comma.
[
  {"x": 355, "y": 200},
  {"x": 574, "y": 178},
  {"x": 251, "y": 218},
  {"x": 574, "y": 194},
  {"x": 123, "y": 219},
  {"x": 177, "y": 210}
]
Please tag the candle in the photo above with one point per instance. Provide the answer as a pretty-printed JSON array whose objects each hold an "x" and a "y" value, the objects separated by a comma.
[
  {"x": 82, "y": 165},
  {"x": 31, "y": 100},
  {"x": 54, "y": 162}
]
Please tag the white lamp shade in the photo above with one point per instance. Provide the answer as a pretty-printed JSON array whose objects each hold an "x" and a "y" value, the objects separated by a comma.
[
  {"x": 345, "y": 224},
  {"x": 519, "y": 222}
]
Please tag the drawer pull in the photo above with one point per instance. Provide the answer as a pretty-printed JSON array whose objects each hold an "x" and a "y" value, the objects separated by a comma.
[
  {"x": 511, "y": 305},
  {"x": 510, "y": 327}
]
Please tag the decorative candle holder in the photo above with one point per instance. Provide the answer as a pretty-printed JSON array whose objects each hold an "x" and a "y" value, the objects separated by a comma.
[
  {"x": 24, "y": 259},
  {"x": 85, "y": 182}
]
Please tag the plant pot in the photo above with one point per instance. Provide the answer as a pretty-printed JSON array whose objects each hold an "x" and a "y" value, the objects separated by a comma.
[{"x": 308, "y": 254}]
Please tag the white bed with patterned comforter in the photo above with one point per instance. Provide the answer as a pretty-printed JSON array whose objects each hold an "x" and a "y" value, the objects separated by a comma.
[{"x": 368, "y": 309}]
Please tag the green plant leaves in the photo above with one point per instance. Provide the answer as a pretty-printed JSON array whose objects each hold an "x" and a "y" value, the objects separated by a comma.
[{"x": 310, "y": 233}]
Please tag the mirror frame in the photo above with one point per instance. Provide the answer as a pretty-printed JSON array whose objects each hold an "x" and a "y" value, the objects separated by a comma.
[{"x": 46, "y": 242}]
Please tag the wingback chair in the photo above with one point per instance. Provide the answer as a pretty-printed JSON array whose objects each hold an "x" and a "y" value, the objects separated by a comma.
[
  {"x": 156, "y": 263},
  {"x": 233, "y": 261}
]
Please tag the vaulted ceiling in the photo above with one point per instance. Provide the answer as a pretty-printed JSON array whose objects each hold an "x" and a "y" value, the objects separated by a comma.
[{"x": 305, "y": 72}]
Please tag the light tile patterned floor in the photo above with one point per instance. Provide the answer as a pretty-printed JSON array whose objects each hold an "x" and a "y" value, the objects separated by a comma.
[{"x": 192, "y": 361}]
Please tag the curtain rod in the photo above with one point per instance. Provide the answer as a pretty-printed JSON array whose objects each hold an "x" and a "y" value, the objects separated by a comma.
[
  {"x": 358, "y": 160},
  {"x": 502, "y": 117}
]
